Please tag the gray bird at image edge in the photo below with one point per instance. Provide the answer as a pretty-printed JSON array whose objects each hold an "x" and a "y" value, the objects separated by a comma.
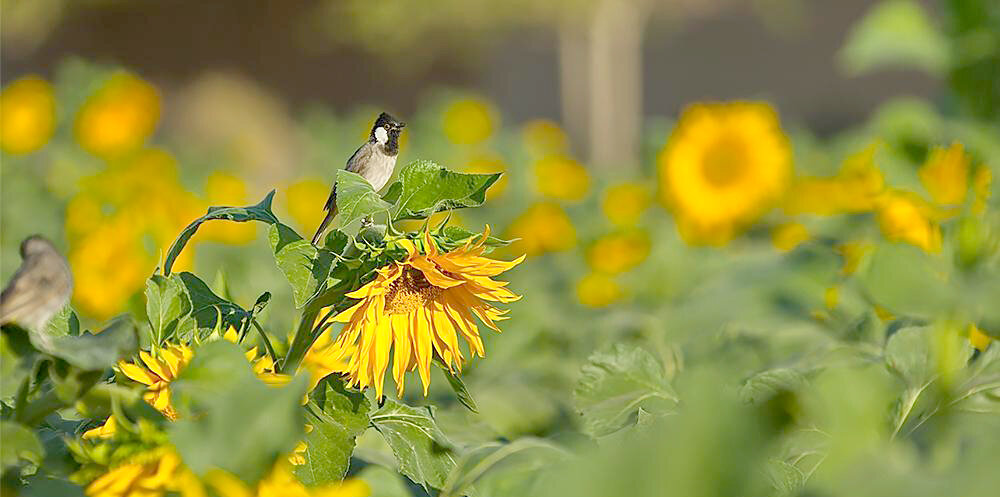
[
  {"x": 374, "y": 161},
  {"x": 39, "y": 289}
]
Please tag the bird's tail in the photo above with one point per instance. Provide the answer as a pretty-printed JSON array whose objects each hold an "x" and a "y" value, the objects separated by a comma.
[{"x": 325, "y": 224}]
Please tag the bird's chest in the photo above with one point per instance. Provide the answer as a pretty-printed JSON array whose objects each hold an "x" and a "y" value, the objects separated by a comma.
[{"x": 379, "y": 169}]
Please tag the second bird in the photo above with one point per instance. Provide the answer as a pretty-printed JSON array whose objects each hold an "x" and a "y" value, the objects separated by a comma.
[{"x": 374, "y": 161}]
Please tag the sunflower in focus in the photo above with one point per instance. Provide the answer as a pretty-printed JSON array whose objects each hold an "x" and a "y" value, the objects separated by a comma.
[
  {"x": 157, "y": 373},
  {"x": 119, "y": 116},
  {"x": 417, "y": 309},
  {"x": 544, "y": 227},
  {"x": 27, "y": 115},
  {"x": 724, "y": 165}
]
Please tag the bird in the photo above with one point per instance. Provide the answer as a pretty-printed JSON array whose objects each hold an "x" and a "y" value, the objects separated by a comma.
[
  {"x": 39, "y": 289},
  {"x": 374, "y": 161}
]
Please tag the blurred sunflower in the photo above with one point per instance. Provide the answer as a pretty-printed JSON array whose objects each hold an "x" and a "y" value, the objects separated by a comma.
[
  {"x": 618, "y": 252},
  {"x": 624, "y": 203},
  {"x": 561, "y": 177},
  {"x": 419, "y": 307},
  {"x": 978, "y": 339},
  {"x": 27, "y": 115},
  {"x": 488, "y": 165},
  {"x": 945, "y": 174},
  {"x": 119, "y": 116},
  {"x": 543, "y": 137},
  {"x": 982, "y": 181},
  {"x": 905, "y": 217},
  {"x": 598, "y": 290},
  {"x": 723, "y": 166},
  {"x": 150, "y": 474},
  {"x": 224, "y": 189},
  {"x": 304, "y": 200},
  {"x": 468, "y": 121},
  {"x": 855, "y": 188},
  {"x": 157, "y": 373},
  {"x": 544, "y": 227},
  {"x": 281, "y": 482},
  {"x": 787, "y": 236}
]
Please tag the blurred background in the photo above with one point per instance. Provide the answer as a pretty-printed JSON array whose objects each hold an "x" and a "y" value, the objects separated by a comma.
[{"x": 124, "y": 120}]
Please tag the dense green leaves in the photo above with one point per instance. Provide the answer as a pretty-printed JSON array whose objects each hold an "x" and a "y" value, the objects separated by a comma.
[
  {"x": 426, "y": 188},
  {"x": 93, "y": 351},
  {"x": 305, "y": 267},
  {"x": 615, "y": 383},
  {"x": 230, "y": 419},
  {"x": 356, "y": 199},
  {"x": 166, "y": 306},
  {"x": 337, "y": 416},
  {"x": 765, "y": 385},
  {"x": 183, "y": 307},
  {"x": 260, "y": 211},
  {"x": 19, "y": 443},
  {"x": 422, "y": 451},
  {"x": 908, "y": 281}
]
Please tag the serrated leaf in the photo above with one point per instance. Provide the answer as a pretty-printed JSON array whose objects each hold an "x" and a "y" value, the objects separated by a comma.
[
  {"x": 304, "y": 266},
  {"x": 19, "y": 443},
  {"x": 260, "y": 211},
  {"x": 615, "y": 383},
  {"x": 422, "y": 451},
  {"x": 356, "y": 198},
  {"x": 166, "y": 305},
  {"x": 229, "y": 418},
  {"x": 767, "y": 384},
  {"x": 337, "y": 416},
  {"x": 427, "y": 188}
]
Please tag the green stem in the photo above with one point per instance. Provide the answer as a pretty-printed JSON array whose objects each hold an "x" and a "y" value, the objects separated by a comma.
[
  {"x": 301, "y": 342},
  {"x": 265, "y": 340}
]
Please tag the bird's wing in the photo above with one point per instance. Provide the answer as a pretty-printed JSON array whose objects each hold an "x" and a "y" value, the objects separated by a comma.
[{"x": 41, "y": 285}]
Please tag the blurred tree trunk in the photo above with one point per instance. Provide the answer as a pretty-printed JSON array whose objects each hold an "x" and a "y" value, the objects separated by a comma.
[{"x": 601, "y": 82}]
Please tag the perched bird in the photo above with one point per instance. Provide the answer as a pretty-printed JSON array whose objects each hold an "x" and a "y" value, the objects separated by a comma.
[
  {"x": 40, "y": 287},
  {"x": 374, "y": 161}
]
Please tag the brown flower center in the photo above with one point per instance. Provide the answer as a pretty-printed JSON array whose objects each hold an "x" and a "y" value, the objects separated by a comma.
[
  {"x": 725, "y": 161},
  {"x": 409, "y": 292}
]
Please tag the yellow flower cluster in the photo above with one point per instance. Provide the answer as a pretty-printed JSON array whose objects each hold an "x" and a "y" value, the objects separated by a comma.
[
  {"x": 624, "y": 203},
  {"x": 469, "y": 121},
  {"x": 608, "y": 256},
  {"x": 724, "y": 165},
  {"x": 544, "y": 227},
  {"x": 27, "y": 115},
  {"x": 856, "y": 188}
]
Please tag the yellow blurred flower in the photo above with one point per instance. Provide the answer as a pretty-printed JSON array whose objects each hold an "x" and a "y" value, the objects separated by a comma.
[
  {"x": 224, "y": 189},
  {"x": 157, "y": 372},
  {"x": 280, "y": 482},
  {"x": 485, "y": 165},
  {"x": 326, "y": 357},
  {"x": 978, "y": 339},
  {"x": 469, "y": 121},
  {"x": 787, "y": 236},
  {"x": 831, "y": 296},
  {"x": 905, "y": 217},
  {"x": 598, "y": 290},
  {"x": 305, "y": 200},
  {"x": 418, "y": 308},
  {"x": 27, "y": 115},
  {"x": 945, "y": 174},
  {"x": 852, "y": 252},
  {"x": 150, "y": 474},
  {"x": 562, "y": 177},
  {"x": 119, "y": 117},
  {"x": 544, "y": 137},
  {"x": 982, "y": 180},
  {"x": 724, "y": 165},
  {"x": 618, "y": 252},
  {"x": 624, "y": 203},
  {"x": 544, "y": 227},
  {"x": 856, "y": 188}
]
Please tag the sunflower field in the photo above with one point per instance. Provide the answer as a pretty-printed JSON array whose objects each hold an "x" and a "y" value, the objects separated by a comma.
[{"x": 756, "y": 309}]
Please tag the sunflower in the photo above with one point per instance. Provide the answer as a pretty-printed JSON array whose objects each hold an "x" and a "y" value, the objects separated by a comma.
[
  {"x": 724, "y": 165},
  {"x": 419, "y": 307},
  {"x": 157, "y": 373},
  {"x": 150, "y": 474}
]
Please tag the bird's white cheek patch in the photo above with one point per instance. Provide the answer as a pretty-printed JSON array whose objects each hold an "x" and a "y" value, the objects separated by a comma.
[{"x": 381, "y": 135}]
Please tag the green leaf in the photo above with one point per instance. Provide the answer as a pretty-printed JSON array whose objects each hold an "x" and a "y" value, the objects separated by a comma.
[
  {"x": 422, "y": 451},
  {"x": 615, "y": 383},
  {"x": 166, "y": 305},
  {"x": 785, "y": 477},
  {"x": 305, "y": 267},
  {"x": 65, "y": 322},
  {"x": 461, "y": 391},
  {"x": 896, "y": 33},
  {"x": 19, "y": 443},
  {"x": 507, "y": 469},
  {"x": 229, "y": 418},
  {"x": 17, "y": 358},
  {"x": 907, "y": 281},
  {"x": 257, "y": 212},
  {"x": 356, "y": 198},
  {"x": 428, "y": 188},
  {"x": 206, "y": 309},
  {"x": 456, "y": 235},
  {"x": 908, "y": 354},
  {"x": 337, "y": 416},
  {"x": 384, "y": 482},
  {"x": 91, "y": 352},
  {"x": 767, "y": 384}
]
